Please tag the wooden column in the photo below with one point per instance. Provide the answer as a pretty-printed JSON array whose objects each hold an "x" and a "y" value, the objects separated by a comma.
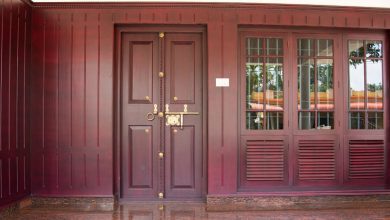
[{"x": 222, "y": 104}]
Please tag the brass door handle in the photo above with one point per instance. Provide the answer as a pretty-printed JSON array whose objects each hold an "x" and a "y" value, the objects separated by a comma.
[{"x": 150, "y": 116}]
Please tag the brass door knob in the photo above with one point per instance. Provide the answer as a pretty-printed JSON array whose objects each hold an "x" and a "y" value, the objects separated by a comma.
[{"x": 161, "y": 155}]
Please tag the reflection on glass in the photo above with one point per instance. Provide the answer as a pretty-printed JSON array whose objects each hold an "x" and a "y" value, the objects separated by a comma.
[
  {"x": 255, "y": 120},
  {"x": 325, "y": 84},
  {"x": 306, "y": 120},
  {"x": 355, "y": 48},
  {"x": 325, "y": 48},
  {"x": 305, "y": 47},
  {"x": 254, "y": 46},
  {"x": 274, "y": 120},
  {"x": 374, "y": 49},
  {"x": 274, "y": 46},
  {"x": 357, "y": 120},
  {"x": 254, "y": 83},
  {"x": 325, "y": 120},
  {"x": 306, "y": 84},
  {"x": 274, "y": 83},
  {"x": 356, "y": 84},
  {"x": 264, "y": 83},
  {"x": 375, "y": 120},
  {"x": 374, "y": 84}
]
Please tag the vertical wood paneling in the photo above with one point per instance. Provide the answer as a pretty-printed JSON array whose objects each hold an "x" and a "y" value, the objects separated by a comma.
[
  {"x": 106, "y": 101},
  {"x": 81, "y": 83},
  {"x": 14, "y": 67},
  {"x": 73, "y": 132},
  {"x": 223, "y": 143},
  {"x": 215, "y": 174},
  {"x": 230, "y": 103},
  {"x": 64, "y": 99},
  {"x": 36, "y": 98}
]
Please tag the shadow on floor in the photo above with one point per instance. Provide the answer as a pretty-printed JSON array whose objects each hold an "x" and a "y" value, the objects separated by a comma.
[{"x": 176, "y": 211}]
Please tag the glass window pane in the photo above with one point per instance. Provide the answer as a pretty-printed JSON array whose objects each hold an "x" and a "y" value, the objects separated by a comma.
[
  {"x": 374, "y": 49},
  {"x": 356, "y": 84},
  {"x": 355, "y": 48},
  {"x": 325, "y": 120},
  {"x": 306, "y": 120},
  {"x": 274, "y": 47},
  {"x": 254, "y": 46},
  {"x": 357, "y": 120},
  {"x": 305, "y": 47},
  {"x": 254, "y": 83},
  {"x": 325, "y": 48},
  {"x": 374, "y": 84},
  {"x": 274, "y": 120},
  {"x": 375, "y": 120},
  {"x": 325, "y": 84},
  {"x": 255, "y": 120},
  {"x": 306, "y": 84},
  {"x": 274, "y": 84}
]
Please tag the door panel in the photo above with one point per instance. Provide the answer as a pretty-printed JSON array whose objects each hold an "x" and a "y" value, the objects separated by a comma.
[
  {"x": 183, "y": 65},
  {"x": 182, "y": 157},
  {"x": 140, "y": 71},
  {"x": 140, "y": 157},
  {"x": 140, "y": 137},
  {"x": 182, "y": 68},
  {"x": 158, "y": 159}
]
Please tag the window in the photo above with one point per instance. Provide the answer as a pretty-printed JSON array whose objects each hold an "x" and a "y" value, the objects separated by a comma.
[
  {"x": 315, "y": 84},
  {"x": 365, "y": 84},
  {"x": 264, "y": 83}
]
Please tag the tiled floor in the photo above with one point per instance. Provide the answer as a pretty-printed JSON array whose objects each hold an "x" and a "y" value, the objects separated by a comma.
[{"x": 176, "y": 211}]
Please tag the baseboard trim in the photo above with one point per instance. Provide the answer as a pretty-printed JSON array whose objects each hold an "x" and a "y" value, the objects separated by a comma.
[
  {"x": 265, "y": 202},
  {"x": 79, "y": 203}
]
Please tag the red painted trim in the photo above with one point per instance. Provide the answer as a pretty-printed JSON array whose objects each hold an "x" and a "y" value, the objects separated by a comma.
[{"x": 200, "y": 5}]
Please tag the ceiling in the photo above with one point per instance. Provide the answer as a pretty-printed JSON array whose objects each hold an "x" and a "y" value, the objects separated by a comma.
[{"x": 351, "y": 3}]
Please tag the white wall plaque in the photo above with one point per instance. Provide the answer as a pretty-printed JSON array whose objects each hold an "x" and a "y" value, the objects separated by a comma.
[{"x": 222, "y": 82}]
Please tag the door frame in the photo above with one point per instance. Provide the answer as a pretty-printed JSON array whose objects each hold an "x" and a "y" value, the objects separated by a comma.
[{"x": 119, "y": 29}]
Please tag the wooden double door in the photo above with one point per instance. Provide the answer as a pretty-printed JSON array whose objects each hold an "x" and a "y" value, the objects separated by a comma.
[{"x": 161, "y": 73}]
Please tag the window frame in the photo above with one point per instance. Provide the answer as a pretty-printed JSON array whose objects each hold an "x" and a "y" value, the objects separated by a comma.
[
  {"x": 337, "y": 91},
  {"x": 242, "y": 81},
  {"x": 365, "y": 37}
]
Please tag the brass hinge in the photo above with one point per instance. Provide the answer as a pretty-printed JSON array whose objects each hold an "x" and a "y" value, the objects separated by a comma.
[{"x": 161, "y": 34}]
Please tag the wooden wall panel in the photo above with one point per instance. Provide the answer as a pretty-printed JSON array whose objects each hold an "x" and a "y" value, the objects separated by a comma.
[
  {"x": 14, "y": 75},
  {"x": 78, "y": 66},
  {"x": 72, "y": 123}
]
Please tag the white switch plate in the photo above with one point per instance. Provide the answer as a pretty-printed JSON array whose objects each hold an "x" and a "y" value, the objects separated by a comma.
[{"x": 222, "y": 82}]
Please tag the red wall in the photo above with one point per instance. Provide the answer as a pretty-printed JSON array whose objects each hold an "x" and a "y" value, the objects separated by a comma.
[
  {"x": 73, "y": 84},
  {"x": 14, "y": 76}
]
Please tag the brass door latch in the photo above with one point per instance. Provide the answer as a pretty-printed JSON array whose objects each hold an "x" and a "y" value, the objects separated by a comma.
[
  {"x": 150, "y": 116},
  {"x": 177, "y": 118}
]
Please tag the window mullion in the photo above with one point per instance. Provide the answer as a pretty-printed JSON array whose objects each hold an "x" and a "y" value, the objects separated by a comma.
[
  {"x": 264, "y": 84},
  {"x": 365, "y": 86},
  {"x": 315, "y": 86}
]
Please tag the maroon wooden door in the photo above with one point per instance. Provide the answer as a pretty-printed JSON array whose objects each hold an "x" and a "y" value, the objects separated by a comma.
[{"x": 161, "y": 72}]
